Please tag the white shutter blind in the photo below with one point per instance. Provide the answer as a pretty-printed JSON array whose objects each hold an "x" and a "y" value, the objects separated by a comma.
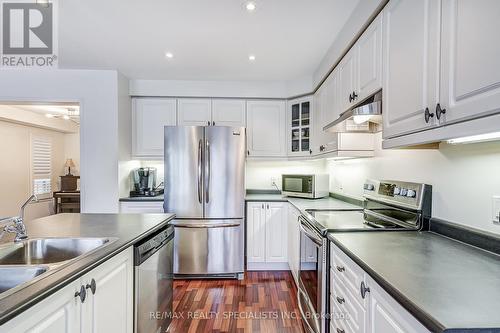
[{"x": 41, "y": 167}]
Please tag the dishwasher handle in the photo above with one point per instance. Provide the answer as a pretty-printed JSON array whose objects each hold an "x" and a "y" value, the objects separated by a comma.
[{"x": 152, "y": 244}]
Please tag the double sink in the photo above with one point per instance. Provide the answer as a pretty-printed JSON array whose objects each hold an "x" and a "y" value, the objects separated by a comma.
[{"x": 25, "y": 261}]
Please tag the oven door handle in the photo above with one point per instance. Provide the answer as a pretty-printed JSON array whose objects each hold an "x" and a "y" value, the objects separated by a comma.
[
  {"x": 299, "y": 291},
  {"x": 315, "y": 238}
]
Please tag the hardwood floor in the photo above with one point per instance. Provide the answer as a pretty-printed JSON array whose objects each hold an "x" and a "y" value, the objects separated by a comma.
[{"x": 262, "y": 302}]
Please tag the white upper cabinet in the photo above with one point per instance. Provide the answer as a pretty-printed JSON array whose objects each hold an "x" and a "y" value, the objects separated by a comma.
[
  {"x": 229, "y": 112},
  {"x": 299, "y": 125},
  {"x": 348, "y": 96},
  {"x": 149, "y": 115},
  {"x": 195, "y": 111},
  {"x": 369, "y": 61},
  {"x": 411, "y": 36},
  {"x": 326, "y": 109},
  {"x": 470, "y": 59},
  {"x": 266, "y": 128}
]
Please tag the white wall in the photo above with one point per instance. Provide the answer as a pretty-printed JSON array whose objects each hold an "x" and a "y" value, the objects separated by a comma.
[
  {"x": 464, "y": 178},
  {"x": 259, "y": 173},
  {"x": 234, "y": 89},
  {"x": 97, "y": 93}
]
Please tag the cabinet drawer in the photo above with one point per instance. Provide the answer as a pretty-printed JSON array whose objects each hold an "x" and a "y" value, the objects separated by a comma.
[
  {"x": 338, "y": 317},
  {"x": 348, "y": 272},
  {"x": 354, "y": 313}
]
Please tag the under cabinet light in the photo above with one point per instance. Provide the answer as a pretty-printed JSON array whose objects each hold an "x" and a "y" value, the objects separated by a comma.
[{"x": 475, "y": 138}]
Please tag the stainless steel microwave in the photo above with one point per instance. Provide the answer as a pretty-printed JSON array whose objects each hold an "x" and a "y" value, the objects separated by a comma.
[{"x": 306, "y": 186}]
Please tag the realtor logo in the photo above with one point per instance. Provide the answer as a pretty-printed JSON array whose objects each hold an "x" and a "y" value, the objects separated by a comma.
[{"x": 28, "y": 34}]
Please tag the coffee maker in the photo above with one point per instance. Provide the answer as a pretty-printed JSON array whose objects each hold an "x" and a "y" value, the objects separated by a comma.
[{"x": 143, "y": 183}]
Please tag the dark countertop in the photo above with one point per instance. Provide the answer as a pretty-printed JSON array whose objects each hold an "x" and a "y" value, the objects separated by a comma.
[
  {"x": 142, "y": 199},
  {"x": 447, "y": 285},
  {"x": 128, "y": 228}
]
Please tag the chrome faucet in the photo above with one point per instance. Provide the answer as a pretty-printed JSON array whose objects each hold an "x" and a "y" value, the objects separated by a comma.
[{"x": 15, "y": 224}]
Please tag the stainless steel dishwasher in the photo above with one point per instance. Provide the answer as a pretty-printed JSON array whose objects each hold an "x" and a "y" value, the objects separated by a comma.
[{"x": 153, "y": 282}]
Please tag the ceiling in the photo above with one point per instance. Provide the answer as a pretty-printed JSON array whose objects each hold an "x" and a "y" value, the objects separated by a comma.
[
  {"x": 71, "y": 110},
  {"x": 209, "y": 40}
]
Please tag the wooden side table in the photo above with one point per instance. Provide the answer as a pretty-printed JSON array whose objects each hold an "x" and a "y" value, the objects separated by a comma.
[{"x": 66, "y": 202}]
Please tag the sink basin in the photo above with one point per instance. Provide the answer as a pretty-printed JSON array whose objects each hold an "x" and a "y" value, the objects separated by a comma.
[
  {"x": 12, "y": 276},
  {"x": 45, "y": 251}
]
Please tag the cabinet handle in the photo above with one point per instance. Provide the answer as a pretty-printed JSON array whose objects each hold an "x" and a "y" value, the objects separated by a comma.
[
  {"x": 322, "y": 148},
  {"x": 341, "y": 269},
  {"x": 92, "y": 286},
  {"x": 208, "y": 123},
  {"x": 310, "y": 151},
  {"x": 350, "y": 98},
  {"x": 339, "y": 330},
  {"x": 248, "y": 152},
  {"x": 364, "y": 289},
  {"x": 82, "y": 294},
  {"x": 340, "y": 300},
  {"x": 439, "y": 111},
  {"x": 262, "y": 206},
  {"x": 267, "y": 206},
  {"x": 213, "y": 123},
  {"x": 354, "y": 96},
  {"x": 428, "y": 115}
]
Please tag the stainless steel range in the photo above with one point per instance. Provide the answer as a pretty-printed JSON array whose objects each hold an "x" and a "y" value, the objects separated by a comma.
[{"x": 388, "y": 206}]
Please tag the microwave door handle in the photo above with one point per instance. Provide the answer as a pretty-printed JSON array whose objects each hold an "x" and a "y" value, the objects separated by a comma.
[{"x": 199, "y": 171}]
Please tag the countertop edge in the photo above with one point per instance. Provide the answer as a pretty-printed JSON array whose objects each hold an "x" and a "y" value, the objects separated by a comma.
[
  {"x": 423, "y": 317},
  {"x": 86, "y": 267}
]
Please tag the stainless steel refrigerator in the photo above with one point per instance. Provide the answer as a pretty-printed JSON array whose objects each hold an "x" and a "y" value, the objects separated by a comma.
[{"x": 204, "y": 187}]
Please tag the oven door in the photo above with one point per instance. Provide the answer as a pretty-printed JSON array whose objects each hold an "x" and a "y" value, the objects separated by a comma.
[{"x": 312, "y": 278}]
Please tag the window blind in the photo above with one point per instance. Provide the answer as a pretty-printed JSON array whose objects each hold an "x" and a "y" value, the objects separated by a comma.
[{"x": 41, "y": 165}]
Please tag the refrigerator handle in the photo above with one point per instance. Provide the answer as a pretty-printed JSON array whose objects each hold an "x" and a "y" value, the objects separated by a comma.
[
  {"x": 199, "y": 170},
  {"x": 207, "y": 173}
]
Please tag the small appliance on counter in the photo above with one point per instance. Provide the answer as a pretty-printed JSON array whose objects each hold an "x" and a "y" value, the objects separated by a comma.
[
  {"x": 143, "y": 183},
  {"x": 306, "y": 186}
]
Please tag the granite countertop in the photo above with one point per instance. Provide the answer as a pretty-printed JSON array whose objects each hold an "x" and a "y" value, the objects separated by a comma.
[
  {"x": 127, "y": 228},
  {"x": 447, "y": 285},
  {"x": 142, "y": 199}
]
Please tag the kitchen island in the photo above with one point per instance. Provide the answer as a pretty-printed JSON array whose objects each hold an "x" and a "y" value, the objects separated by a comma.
[{"x": 122, "y": 230}]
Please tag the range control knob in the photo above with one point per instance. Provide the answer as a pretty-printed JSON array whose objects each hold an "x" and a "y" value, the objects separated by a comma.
[
  {"x": 411, "y": 194},
  {"x": 369, "y": 187},
  {"x": 403, "y": 192},
  {"x": 397, "y": 190}
]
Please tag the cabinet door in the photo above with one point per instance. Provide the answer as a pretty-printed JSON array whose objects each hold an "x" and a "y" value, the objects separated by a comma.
[
  {"x": 229, "y": 112},
  {"x": 141, "y": 207},
  {"x": 330, "y": 110},
  {"x": 347, "y": 80},
  {"x": 266, "y": 128},
  {"x": 411, "y": 31},
  {"x": 59, "y": 313},
  {"x": 276, "y": 232},
  {"x": 369, "y": 66},
  {"x": 256, "y": 232},
  {"x": 149, "y": 115},
  {"x": 387, "y": 316},
  {"x": 194, "y": 112},
  {"x": 470, "y": 59},
  {"x": 293, "y": 241},
  {"x": 110, "y": 308},
  {"x": 299, "y": 120}
]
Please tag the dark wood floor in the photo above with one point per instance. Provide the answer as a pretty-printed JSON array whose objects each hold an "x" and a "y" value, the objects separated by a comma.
[{"x": 262, "y": 302}]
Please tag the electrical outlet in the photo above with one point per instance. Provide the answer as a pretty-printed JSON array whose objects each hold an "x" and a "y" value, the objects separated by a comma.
[
  {"x": 496, "y": 209},
  {"x": 273, "y": 181}
]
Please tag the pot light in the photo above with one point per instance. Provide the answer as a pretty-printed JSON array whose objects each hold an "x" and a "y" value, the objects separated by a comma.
[
  {"x": 475, "y": 138},
  {"x": 66, "y": 117},
  {"x": 49, "y": 115},
  {"x": 251, "y": 57},
  {"x": 169, "y": 55},
  {"x": 250, "y": 6}
]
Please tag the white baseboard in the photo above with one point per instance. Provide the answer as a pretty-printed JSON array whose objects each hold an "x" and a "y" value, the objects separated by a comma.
[{"x": 268, "y": 266}]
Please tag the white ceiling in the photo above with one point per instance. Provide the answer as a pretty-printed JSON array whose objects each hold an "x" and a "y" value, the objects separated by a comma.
[{"x": 210, "y": 40}]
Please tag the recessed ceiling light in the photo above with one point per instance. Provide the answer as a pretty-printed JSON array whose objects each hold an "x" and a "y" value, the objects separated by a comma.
[
  {"x": 169, "y": 55},
  {"x": 66, "y": 117},
  {"x": 251, "y": 57},
  {"x": 250, "y": 6},
  {"x": 48, "y": 115}
]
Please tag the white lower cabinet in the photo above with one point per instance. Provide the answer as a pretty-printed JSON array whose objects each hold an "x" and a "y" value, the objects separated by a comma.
[
  {"x": 376, "y": 312},
  {"x": 108, "y": 309},
  {"x": 141, "y": 207},
  {"x": 267, "y": 236},
  {"x": 293, "y": 241}
]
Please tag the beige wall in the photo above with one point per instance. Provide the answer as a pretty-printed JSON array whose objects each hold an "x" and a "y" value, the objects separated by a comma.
[{"x": 15, "y": 174}]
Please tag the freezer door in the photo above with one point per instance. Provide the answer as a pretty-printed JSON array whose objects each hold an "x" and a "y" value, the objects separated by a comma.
[
  {"x": 184, "y": 171},
  {"x": 224, "y": 172},
  {"x": 208, "y": 247}
]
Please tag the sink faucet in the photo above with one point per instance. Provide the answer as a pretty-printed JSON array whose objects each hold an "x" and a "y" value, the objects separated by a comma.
[{"x": 15, "y": 224}]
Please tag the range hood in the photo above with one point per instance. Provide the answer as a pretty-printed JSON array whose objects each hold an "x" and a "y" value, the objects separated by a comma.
[{"x": 364, "y": 117}]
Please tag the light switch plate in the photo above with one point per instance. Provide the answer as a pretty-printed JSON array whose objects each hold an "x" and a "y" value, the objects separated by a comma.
[{"x": 496, "y": 209}]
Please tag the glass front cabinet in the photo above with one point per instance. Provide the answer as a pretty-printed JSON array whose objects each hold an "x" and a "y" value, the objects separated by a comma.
[{"x": 300, "y": 126}]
